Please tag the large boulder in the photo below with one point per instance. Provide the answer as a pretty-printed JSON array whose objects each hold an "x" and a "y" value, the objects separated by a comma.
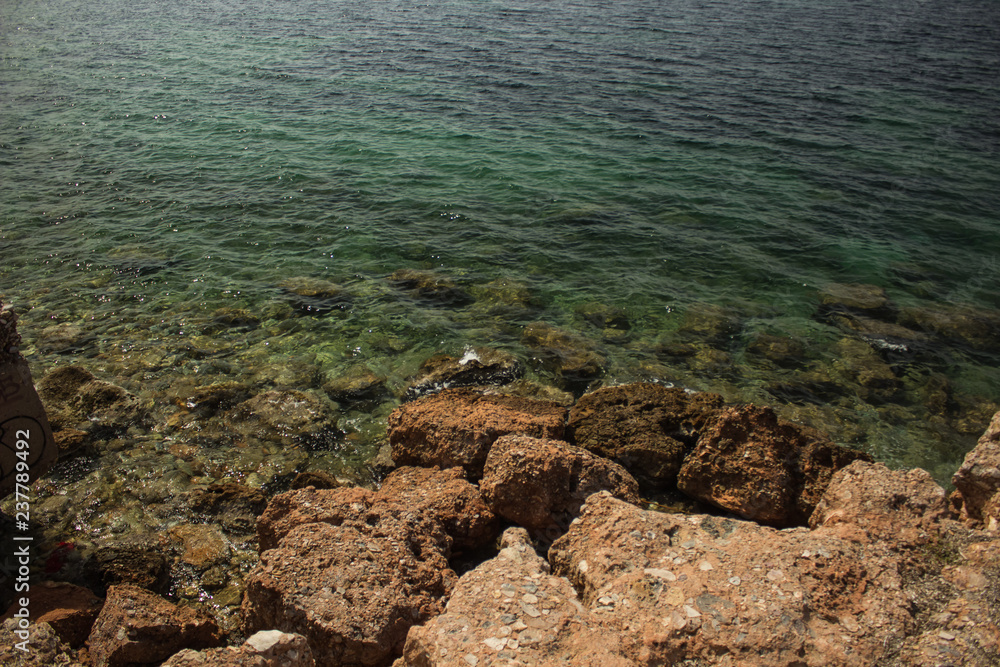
[
  {"x": 511, "y": 610},
  {"x": 68, "y": 609},
  {"x": 352, "y": 569},
  {"x": 267, "y": 648},
  {"x": 729, "y": 592},
  {"x": 34, "y": 645},
  {"x": 354, "y": 589},
  {"x": 870, "y": 502},
  {"x": 75, "y": 397},
  {"x": 762, "y": 468},
  {"x": 136, "y": 627},
  {"x": 646, "y": 427},
  {"x": 541, "y": 484},
  {"x": 978, "y": 478},
  {"x": 457, "y": 427}
]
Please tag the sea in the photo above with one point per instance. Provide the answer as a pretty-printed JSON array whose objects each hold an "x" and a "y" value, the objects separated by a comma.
[{"x": 793, "y": 203}]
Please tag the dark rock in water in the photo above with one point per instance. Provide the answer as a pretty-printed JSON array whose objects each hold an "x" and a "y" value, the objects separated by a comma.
[
  {"x": 760, "y": 467},
  {"x": 357, "y": 385},
  {"x": 457, "y": 427},
  {"x": 236, "y": 506},
  {"x": 646, "y": 427},
  {"x": 479, "y": 366},
  {"x": 64, "y": 338},
  {"x": 541, "y": 484},
  {"x": 136, "y": 627},
  {"x": 573, "y": 359},
  {"x": 232, "y": 320},
  {"x": 73, "y": 396},
  {"x": 208, "y": 399},
  {"x": 604, "y": 316},
  {"x": 811, "y": 386},
  {"x": 140, "y": 561},
  {"x": 289, "y": 417},
  {"x": 316, "y": 479},
  {"x": 299, "y": 373},
  {"x": 430, "y": 287},
  {"x": 709, "y": 323},
  {"x": 779, "y": 350},
  {"x": 314, "y": 296},
  {"x": 866, "y": 300},
  {"x": 979, "y": 328},
  {"x": 504, "y": 296}
]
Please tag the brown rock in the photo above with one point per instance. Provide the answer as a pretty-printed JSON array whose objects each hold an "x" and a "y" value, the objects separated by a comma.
[
  {"x": 727, "y": 592},
  {"x": 978, "y": 328},
  {"x": 479, "y": 366},
  {"x": 358, "y": 384},
  {"x": 139, "y": 561},
  {"x": 978, "y": 478},
  {"x": 443, "y": 497},
  {"x": 456, "y": 427},
  {"x": 353, "y": 590},
  {"x": 904, "y": 506},
  {"x": 855, "y": 298},
  {"x": 762, "y": 468},
  {"x": 646, "y": 427},
  {"x": 44, "y": 647},
  {"x": 136, "y": 627},
  {"x": 510, "y": 610},
  {"x": 268, "y": 648},
  {"x": 68, "y": 609},
  {"x": 315, "y": 478},
  {"x": 235, "y": 506},
  {"x": 202, "y": 545},
  {"x": 314, "y": 296},
  {"x": 541, "y": 484}
]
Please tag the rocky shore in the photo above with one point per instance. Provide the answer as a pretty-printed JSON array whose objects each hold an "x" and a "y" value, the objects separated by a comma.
[{"x": 519, "y": 531}]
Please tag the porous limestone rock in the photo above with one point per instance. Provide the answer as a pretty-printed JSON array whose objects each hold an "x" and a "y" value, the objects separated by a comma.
[
  {"x": 44, "y": 647},
  {"x": 267, "y": 648},
  {"x": 457, "y": 427},
  {"x": 541, "y": 484},
  {"x": 136, "y": 627},
  {"x": 978, "y": 478},
  {"x": 646, "y": 427},
  {"x": 762, "y": 468}
]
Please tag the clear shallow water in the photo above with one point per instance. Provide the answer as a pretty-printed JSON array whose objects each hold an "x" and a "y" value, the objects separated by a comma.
[{"x": 684, "y": 162}]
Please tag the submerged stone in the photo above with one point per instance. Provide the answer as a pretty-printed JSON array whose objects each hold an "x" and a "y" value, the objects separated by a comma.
[
  {"x": 314, "y": 296},
  {"x": 430, "y": 287},
  {"x": 478, "y": 366}
]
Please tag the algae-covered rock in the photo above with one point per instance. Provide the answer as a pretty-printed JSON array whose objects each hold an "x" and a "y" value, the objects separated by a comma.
[{"x": 478, "y": 366}]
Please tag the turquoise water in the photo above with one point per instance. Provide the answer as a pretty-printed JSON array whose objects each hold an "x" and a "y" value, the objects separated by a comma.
[{"x": 678, "y": 161}]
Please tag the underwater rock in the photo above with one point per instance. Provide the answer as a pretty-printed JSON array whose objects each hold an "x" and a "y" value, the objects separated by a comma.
[
  {"x": 235, "y": 506},
  {"x": 314, "y": 296},
  {"x": 604, "y": 316},
  {"x": 526, "y": 388},
  {"x": 768, "y": 470},
  {"x": 229, "y": 319},
  {"x": 316, "y": 479},
  {"x": 137, "y": 627},
  {"x": 201, "y": 545},
  {"x": 288, "y": 417},
  {"x": 646, "y": 427},
  {"x": 358, "y": 384},
  {"x": 859, "y": 299},
  {"x": 457, "y": 427},
  {"x": 64, "y": 338},
  {"x": 541, "y": 484},
  {"x": 267, "y": 648},
  {"x": 504, "y": 296},
  {"x": 478, "y": 366},
  {"x": 812, "y": 386},
  {"x": 430, "y": 287},
  {"x": 979, "y": 328},
  {"x": 779, "y": 350},
  {"x": 573, "y": 359},
  {"x": 297, "y": 373},
  {"x": 861, "y": 366},
  {"x": 709, "y": 323},
  {"x": 138, "y": 560},
  {"x": 73, "y": 396},
  {"x": 978, "y": 478}
]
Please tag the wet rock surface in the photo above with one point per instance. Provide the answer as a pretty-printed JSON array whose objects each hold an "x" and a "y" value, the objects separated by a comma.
[
  {"x": 427, "y": 286},
  {"x": 573, "y": 360},
  {"x": 762, "y": 468},
  {"x": 137, "y": 627},
  {"x": 478, "y": 366},
  {"x": 456, "y": 427}
]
